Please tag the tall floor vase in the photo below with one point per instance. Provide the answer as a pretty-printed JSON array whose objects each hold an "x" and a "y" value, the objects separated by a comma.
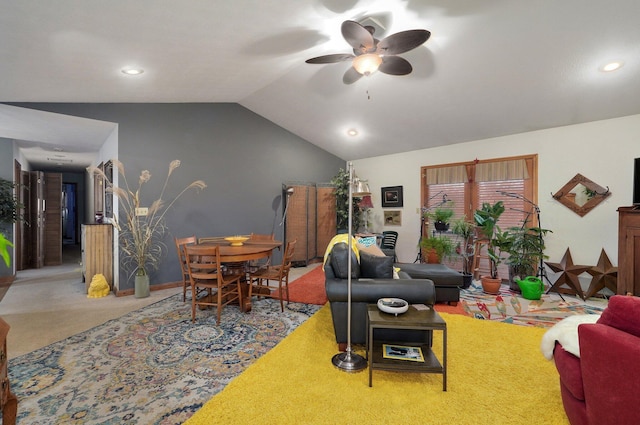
[{"x": 141, "y": 289}]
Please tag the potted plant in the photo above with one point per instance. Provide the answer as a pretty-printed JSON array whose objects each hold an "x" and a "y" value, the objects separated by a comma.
[
  {"x": 486, "y": 220},
  {"x": 465, "y": 230},
  {"x": 9, "y": 214},
  {"x": 4, "y": 250},
  {"x": 437, "y": 248},
  {"x": 341, "y": 183},
  {"x": 525, "y": 250},
  {"x": 141, "y": 236},
  {"x": 441, "y": 217}
]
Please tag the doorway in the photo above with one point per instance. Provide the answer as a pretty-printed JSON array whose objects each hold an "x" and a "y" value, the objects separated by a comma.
[{"x": 69, "y": 214}]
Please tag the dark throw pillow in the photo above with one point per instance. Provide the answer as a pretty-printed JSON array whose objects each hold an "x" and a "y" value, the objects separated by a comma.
[
  {"x": 372, "y": 266},
  {"x": 339, "y": 262}
]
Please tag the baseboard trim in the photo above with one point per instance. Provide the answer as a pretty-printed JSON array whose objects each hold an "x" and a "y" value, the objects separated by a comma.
[
  {"x": 7, "y": 280},
  {"x": 158, "y": 287}
]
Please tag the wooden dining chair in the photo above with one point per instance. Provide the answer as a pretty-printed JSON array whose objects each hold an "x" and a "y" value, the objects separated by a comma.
[
  {"x": 205, "y": 274},
  {"x": 181, "y": 243},
  {"x": 254, "y": 265},
  {"x": 259, "y": 281}
]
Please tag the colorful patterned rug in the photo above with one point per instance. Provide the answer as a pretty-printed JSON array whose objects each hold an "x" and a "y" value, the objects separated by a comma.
[
  {"x": 511, "y": 307},
  {"x": 151, "y": 366}
]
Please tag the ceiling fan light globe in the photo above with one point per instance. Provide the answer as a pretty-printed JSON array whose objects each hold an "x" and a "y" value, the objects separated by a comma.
[{"x": 367, "y": 64}]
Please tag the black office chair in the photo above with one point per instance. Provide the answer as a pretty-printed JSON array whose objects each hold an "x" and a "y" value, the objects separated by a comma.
[{"x": 388, "y": 244}]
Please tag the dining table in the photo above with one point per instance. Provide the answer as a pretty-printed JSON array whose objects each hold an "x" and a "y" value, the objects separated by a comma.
[{"x": 236, "y": 256}]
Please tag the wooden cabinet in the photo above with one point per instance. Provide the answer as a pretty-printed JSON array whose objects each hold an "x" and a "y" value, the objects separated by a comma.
[
  {"x": 8, "y": 401},
  {"x": 97, "y": 252},
  {"x": 629, "y": 250}
]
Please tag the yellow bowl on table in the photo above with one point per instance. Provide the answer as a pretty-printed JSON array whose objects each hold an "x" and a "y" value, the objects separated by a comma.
[{"x": 236, "y": 240}]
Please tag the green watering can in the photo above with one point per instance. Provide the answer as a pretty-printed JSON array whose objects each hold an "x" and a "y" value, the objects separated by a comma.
[{"x": 531, "y": 287}]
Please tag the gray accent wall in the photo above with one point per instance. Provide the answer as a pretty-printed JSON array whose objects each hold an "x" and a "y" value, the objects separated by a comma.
[{"x": 242, "y": 157}]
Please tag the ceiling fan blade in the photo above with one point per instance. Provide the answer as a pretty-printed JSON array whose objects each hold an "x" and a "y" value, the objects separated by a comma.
[
  {"x": 338, "y": 57},
  {"x": 357, "y": 36},
  {"x": 402, "y": 42},
  {"x": 351, "y": 76},
  {"x": 395, "y": 65}
]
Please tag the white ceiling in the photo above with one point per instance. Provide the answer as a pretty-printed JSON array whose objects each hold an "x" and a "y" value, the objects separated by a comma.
[{"x": 490, "y": 68}]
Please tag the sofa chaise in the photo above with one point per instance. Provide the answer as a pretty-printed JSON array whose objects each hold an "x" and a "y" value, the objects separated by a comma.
[{"x": 372, "y": 279}]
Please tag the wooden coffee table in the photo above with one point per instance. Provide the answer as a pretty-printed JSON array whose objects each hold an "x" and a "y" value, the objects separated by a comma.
[{"x": 414, "y": 319}]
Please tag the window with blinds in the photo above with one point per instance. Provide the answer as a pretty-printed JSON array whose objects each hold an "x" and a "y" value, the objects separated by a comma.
[{"x": 467, "y": 185}]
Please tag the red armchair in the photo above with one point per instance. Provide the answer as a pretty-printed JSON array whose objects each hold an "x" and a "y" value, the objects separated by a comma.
[{"x": 603, "y": 384}]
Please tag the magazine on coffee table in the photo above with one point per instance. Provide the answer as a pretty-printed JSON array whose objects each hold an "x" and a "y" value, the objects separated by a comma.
[{"x": 402, "y": 352}]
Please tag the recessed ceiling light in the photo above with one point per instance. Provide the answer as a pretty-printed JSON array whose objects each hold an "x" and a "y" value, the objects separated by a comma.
[
  {"x": 132, "y": 71},
  {"x": 612, "y": 66},
  {"x": 352, "y": 132}
]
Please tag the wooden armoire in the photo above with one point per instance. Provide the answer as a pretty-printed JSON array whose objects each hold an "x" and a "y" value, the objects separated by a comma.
[{"x": 629, "y": 250}]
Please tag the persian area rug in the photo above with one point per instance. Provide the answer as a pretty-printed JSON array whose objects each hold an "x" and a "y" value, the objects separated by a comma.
[
  {"x": 309, "y": 288},
  {"x": 151, "y": 366},
  {"x": 496, "y": 375},
  {"x": 511, "y": 307}
]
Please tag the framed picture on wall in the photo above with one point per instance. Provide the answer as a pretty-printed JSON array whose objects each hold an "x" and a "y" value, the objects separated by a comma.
[
  {"x": 391, "y": 196},
  {"x": 393, "y": 218}
]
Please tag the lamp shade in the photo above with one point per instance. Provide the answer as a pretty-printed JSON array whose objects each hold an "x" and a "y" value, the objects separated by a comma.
[
  {"x": 367, "y": 64},
  {"x": 366, "y": 202},
  {"x": 360, "y": 188}
]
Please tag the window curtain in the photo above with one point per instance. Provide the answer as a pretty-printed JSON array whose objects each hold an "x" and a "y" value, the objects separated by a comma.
[
  {"x": 515, "y": 169},
  {"x": 447, "y": 175}
]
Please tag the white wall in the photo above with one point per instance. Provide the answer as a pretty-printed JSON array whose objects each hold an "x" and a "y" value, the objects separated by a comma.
[
  {"x": 107, "y": 152},
  {"x": 602, "y": 151}
]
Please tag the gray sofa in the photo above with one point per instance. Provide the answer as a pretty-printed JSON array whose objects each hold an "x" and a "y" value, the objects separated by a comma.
[
  {"x": 447, "y": 281},
  {"x": 371, "y": 279}
]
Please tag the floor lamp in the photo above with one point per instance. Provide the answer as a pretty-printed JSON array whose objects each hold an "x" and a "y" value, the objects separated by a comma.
[{"x": 349, "y": 361}]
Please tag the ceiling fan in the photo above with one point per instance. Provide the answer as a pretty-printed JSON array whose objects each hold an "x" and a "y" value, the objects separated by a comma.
[{"x": 370, "y": 54}]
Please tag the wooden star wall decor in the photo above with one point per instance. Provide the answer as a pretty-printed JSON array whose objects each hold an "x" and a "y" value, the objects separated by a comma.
[
  {"x": 569, "y": 275},
  {"x": 605, "y": 275}
]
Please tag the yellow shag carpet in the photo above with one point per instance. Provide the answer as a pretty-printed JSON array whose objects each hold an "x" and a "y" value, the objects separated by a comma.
[{"x": 496, "y": 375}]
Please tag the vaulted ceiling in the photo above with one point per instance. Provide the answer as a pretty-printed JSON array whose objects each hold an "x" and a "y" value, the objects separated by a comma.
[{"x": 490, "y": 68}]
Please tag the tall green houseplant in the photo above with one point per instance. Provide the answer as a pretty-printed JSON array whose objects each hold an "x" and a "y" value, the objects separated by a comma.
[
  {"x": 465, "y": 230},
  {"x": 341, "y": 183},
  {"x": 525, "y": 250},
  {"x": 486, "y": 219}
]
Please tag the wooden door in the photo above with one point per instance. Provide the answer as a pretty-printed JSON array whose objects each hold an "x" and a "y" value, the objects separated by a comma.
[
  {"x": 36, "y": 219},
  {"x": 52, "y": 219}
]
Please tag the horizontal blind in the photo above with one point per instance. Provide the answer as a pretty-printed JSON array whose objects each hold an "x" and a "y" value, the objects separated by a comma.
[{"x": 510, "y": 180}]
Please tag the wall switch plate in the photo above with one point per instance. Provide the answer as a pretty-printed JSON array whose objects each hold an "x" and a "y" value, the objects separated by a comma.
[{"x": 142, "y": 211}]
